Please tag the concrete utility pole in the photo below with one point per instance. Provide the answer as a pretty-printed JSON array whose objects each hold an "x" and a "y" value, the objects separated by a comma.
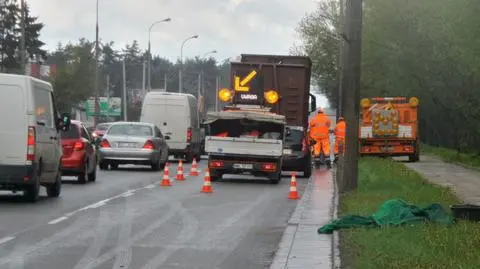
[
  {"x": 23, "y": 51},
  {"x": 217, "y": 85},
  {"x": 150, "y": 51},
  {"x": 97, "y": 105},
  {"x": 341, "y": 58},
  {"x": 351, "y": 84},
  {"x": 124, "y": 72}
]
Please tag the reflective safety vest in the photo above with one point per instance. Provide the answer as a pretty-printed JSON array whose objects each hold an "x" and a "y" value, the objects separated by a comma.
[
  {"x": 340, "y": 130},
  {"x": 319, "y": 126}
]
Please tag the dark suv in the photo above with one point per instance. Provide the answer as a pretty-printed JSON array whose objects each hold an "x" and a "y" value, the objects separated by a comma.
[{"x": 296, "y": 152}]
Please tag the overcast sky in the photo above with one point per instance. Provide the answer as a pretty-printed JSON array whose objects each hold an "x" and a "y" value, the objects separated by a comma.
[{"x": 229, "y": 26}]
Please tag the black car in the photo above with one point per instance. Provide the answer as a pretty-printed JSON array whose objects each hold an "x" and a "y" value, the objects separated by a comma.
[{"x": 296, "y": 152}]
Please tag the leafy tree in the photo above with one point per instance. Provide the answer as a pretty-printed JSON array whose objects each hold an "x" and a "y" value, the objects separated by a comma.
[
  {"x": 424, "y": 48},
  {"x": 8, "y": 35}
]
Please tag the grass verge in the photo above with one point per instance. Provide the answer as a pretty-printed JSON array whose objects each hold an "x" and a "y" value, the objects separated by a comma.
[
  {"x": 470, "y": 160},
  {"x": 420, "y": 246}
]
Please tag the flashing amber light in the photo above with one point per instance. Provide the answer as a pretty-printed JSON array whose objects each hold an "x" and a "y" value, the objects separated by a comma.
[
  {"x": 271, "y": 96},
  {"x": 413, "y": 102},
  {"x": 365, "y": 103},
  {"x": 225, "y": 95}
]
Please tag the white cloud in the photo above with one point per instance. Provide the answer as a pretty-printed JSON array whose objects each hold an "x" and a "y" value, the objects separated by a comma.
[{"x": 229, "y": 26}]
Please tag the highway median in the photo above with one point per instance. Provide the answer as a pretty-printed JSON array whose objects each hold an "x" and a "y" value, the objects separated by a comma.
[{"x": 408, "y": 246}]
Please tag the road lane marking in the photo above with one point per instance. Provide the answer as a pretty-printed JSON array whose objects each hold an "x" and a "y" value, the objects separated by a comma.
[
  {"x": 190, "y": 225},
  {"x": 145, "y": 232},
  {"x": 102, "y": 203},
  {"x": 57, "y": 220},
  {"x": 6, "y": 239}
]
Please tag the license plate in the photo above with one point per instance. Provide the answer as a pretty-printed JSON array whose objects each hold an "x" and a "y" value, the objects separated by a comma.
[
  {"x": 386, "y": 148},
  {"x": 243, "y": 166},
  {"x": 287, "y": 151},
  {"x": 127, "y": 145}
]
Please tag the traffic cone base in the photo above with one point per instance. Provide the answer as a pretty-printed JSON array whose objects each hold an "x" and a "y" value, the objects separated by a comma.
[
  {"x": 293, "y": 194},
  {"x": 207, "y": 184},
  {"x": 180, "y": 176},
  {"x": 166, "y": 178},
  {"x": 194, "y": 168}
]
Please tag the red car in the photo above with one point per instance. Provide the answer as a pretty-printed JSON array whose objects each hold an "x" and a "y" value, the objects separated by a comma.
[
  {"x": 79, "y": 153},
  {"x": 100, "y": 129}
]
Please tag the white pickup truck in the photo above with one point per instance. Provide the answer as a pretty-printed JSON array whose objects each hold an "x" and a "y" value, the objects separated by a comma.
[{"x": 232, "y": 150}]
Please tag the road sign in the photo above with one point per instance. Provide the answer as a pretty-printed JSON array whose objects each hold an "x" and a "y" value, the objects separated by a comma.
[
  {"x": 108, "y": 106},
  {"x": 240, "y": 83}
]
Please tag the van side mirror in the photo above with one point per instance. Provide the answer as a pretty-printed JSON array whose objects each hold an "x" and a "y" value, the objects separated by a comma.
[
  {"x": 313, "y": 102},
  {"x": 288, "y": 132},
  {"x": 64, "y": 122}
]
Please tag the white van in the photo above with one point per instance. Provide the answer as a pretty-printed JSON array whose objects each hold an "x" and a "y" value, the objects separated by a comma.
[
  {"x": 176, "y": 115},
  {"x": 30, "y": 146}
]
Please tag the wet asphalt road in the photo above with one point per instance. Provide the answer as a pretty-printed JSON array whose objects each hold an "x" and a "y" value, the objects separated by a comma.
[{"x": 126, "y": 220}]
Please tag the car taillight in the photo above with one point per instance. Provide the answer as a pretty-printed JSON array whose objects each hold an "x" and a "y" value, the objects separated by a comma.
[
  {"x": 189, "y": 135},
  {"x": 80, "y": 145},
  {"x": 269, "y": 166},
  {"x": 149, "y": 145},
  {"x": 304, "y": 145},
  {"x": 105, "y": 144},
  {"x": 215, "y": 164},
  {"x": 31, "y": 144}
]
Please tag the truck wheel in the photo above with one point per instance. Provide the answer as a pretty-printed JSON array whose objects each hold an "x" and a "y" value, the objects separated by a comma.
[
  {"x": 414, "y": 158},
  {"x": 275, "y": 179},
  {"x": 30, "y": 193},
  {"x": 307, "y": 169},
  {"x": 54, "y": 189},
  {"x": 215, "y": 177},
  {"x": 189, "y": 158}
]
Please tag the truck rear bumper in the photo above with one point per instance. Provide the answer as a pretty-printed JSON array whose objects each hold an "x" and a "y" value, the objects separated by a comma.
[
  {"x": 255, "y": 166},
  {"x": 388, "y": 147}
]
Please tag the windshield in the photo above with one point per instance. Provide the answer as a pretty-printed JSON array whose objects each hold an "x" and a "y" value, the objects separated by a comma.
[
  {"x": 102, "y": 127},
  {"x": 130, "y": 130},
  {"x": 72, "y": 133}
]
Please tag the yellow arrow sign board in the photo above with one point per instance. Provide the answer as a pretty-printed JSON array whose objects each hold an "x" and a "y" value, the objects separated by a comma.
[{"x": 240, "y": 83}]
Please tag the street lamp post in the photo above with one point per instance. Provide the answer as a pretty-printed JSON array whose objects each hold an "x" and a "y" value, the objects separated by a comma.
[
  {"x": 210, "y": 52},
  {"x": 150, "y": 52},
  {"x": 180, "y": 73}
]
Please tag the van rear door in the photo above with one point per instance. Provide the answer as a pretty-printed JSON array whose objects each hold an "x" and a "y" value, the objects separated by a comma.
[
  {"x": 175, "y": 124},
  {"x": 13, "y": 125}
]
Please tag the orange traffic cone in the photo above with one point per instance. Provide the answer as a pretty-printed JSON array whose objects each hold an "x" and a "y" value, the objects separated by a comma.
[
  {"x": 207, "y": 184},
  {"x": 180, "y": 176},
  {"x": 166, "y": 179},
  {"x": 293, "y": 194},
  {"x": 194, "y": 168}
]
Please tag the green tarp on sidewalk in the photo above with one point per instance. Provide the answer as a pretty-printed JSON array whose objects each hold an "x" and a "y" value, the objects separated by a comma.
[{"x": 392, "y": 213}]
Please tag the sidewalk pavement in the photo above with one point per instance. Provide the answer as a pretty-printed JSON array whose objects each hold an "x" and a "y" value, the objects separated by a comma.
[
  {"x": 465, "y": 182},
  {"x": 301, "y": 246}
]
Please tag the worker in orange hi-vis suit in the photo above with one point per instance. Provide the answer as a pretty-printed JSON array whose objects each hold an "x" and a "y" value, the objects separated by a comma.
[
  {"x": 319, "y": 131},
  {"x": 340, "y": 131}
]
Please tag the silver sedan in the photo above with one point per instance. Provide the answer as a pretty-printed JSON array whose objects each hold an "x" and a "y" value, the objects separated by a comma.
[{"x": 133, "y": 143}]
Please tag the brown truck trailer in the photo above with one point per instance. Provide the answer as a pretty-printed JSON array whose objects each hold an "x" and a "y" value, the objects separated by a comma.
[{"x": 256, "y": 76}]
